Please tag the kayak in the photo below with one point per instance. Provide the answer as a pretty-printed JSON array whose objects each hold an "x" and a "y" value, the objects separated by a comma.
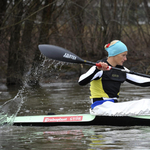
[
  {"x": 131, "y": 113},
  {"x": 81, "y": 120}
]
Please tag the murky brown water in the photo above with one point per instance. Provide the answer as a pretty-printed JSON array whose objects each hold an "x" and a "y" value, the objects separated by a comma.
[{"x": 68, "y": 98}]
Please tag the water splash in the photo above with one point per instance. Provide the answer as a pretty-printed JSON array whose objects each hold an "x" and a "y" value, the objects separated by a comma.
[{"x": 9, "y": 109}]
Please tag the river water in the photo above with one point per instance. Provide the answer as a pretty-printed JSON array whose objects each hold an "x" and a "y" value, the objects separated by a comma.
[{"x": 68, "y": 98}]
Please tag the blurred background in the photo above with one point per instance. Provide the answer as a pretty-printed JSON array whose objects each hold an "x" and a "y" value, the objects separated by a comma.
[{"x": 81, "y": 26}]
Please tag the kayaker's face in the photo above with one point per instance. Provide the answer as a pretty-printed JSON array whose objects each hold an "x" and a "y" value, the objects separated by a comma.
[{"x": 120, "y": 58}]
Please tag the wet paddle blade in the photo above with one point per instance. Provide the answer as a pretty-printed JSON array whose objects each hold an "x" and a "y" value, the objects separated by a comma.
[{"x": 59, "y": 53}]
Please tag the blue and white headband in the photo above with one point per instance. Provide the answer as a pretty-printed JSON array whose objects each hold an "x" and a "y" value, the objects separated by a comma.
[{"x": 116, "y": 48}]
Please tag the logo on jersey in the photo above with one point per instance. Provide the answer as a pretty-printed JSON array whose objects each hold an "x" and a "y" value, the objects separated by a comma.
[{"x": 115, "y": 75}]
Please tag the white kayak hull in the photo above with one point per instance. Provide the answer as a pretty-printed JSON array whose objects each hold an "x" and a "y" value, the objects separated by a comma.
[
  {"x": 133, "y": 113},
  {"x": 81, "y": 120}
]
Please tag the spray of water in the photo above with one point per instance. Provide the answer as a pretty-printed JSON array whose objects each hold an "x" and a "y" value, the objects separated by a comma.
[{"x": 10, "y": 109}]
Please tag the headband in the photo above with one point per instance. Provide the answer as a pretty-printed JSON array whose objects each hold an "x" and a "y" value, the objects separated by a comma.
[{"x": 116, "y": 48}]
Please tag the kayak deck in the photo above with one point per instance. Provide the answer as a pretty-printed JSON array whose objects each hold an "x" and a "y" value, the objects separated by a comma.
[{"x": 81, "y": 120}]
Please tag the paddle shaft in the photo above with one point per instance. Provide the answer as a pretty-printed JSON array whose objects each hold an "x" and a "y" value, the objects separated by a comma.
[
  {"x": 114, "y": 68},
  {"x": 61, "y": 54}
]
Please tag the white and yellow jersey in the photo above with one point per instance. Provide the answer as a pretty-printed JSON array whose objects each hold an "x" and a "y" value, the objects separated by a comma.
[{"x": 107, "y": 83}]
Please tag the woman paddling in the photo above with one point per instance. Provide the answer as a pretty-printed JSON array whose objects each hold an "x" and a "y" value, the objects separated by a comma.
[{"x": 104, "y": 82}]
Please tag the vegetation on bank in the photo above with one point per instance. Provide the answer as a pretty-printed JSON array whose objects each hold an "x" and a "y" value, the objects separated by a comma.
[{"x": 83, "y": 27}]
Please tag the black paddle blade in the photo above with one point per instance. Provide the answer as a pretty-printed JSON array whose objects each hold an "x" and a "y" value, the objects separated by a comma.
[{"x": 59, "y": 53}]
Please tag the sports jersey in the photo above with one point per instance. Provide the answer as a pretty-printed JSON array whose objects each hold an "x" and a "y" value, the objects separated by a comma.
[{"x": 106, "y": 84}]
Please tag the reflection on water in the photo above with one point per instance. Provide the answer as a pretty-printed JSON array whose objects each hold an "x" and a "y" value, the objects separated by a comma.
[
  {"x": 90, "y": 138},
  {"x": 69, "y": 98},
  {"x": 120, "y": 138}
]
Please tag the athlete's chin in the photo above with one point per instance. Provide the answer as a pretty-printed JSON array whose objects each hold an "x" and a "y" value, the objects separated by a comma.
[{"x": 121, "y": 63}]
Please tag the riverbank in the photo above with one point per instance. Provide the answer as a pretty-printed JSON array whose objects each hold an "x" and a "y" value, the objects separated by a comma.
[{"x": 67, "y": 72}]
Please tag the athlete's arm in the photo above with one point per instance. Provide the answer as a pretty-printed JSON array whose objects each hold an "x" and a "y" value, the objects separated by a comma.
[
  {"x": 137, "y": 80},
  {"x": 90, "y": 75}
]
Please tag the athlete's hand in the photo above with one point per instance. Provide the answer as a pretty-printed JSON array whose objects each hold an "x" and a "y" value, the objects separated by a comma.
[{"x": 103, "y": 66}]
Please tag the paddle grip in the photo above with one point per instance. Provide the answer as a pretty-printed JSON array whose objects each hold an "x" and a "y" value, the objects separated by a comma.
[{"x": 98, "y": 65}]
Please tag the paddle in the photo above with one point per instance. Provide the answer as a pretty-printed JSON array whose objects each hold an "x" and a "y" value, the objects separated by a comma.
[{"x": 61, "y": 54}]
